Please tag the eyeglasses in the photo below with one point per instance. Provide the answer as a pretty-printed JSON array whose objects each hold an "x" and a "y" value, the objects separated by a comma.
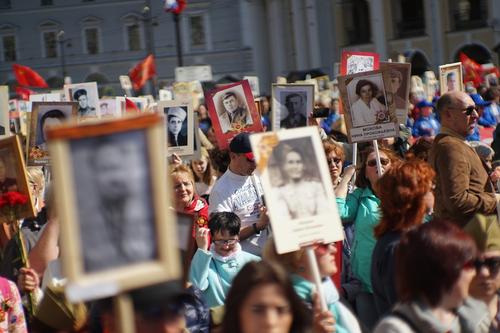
[
  {"x": 229, "y": 242},
  {"x": 334, "y": 160},
  {"x": 383, "y": 161},
  {"x": 493, "y": 264}
]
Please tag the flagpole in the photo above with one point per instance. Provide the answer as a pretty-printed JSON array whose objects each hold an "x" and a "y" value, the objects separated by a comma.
[{"x": 148, "y": 20}]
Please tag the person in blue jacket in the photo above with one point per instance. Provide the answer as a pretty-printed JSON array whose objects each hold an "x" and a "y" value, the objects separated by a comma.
[
  {"x": 426, "y": 125},
  {"x": 486, "y": 117},
  {"x": 213, "y": 269}
]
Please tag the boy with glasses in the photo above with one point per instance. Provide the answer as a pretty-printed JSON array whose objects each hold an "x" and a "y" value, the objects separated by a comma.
[{"x": 215, "y": 265}]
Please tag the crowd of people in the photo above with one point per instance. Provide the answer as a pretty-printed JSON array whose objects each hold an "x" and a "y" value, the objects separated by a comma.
[{"x": 421, "y": 248}]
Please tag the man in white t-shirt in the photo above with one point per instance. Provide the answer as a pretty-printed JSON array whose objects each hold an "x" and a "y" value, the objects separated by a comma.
[{"x": 239, "y": 191}]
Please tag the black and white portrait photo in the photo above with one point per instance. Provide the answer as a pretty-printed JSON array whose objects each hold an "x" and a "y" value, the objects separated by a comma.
[
  {"x": 297, "y": 187},
  {"x": 86, "y": 95},
  {"x": 232, "y": 109},
  {"x": 176, "y": 118},
  {"x": 292, "y": 104},
  {"x": 367, "y": 99},
  {"x": 43, "y": 116},
  {"x": 114, "y": 196},
  {"x": 296, "y": 171}
]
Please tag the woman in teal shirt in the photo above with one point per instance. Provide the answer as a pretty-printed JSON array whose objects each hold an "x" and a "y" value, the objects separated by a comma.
[{"x": 362, "y": 207}]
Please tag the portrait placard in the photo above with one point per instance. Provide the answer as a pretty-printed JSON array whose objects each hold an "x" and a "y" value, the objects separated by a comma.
[
  {"x": 87, "y": 97},
  {"x": 4, "y": 112},
  {"x": 254, "y": 84},
  {"x": 297, "y": 188},
  {"x": 111, "y": 190},
  {"x": 109, "y": 108},
  {"x": 370, "y": 115},
  {"x": 399, "y": 89},
  {"x": 232, "y": 110},
  {"x": 179, "y": 127},
  {"x": 13, "y": 173},
  {"x": 450, "y": 77},
  {"x": 292, "y": 104},
  {"x": 353, "y": 62},
  {"x": 43, "y": 116}
]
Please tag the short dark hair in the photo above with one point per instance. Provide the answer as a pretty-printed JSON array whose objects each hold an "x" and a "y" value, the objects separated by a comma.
[
  {"x": 222, "y": 221},
  {"x": 361, "y": 83},
  {"x": 54, "y": 113},
  {"x": 430, "y": 259},
  {"x": 290, "y": 96},
  {"x": 229, "y": 94},
  {"x": 256, "y": 274},
  {"x": 449, "y": 75}
]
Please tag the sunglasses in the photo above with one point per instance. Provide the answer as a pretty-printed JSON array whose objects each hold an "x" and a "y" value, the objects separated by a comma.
[
  {"x": 383, "y": 161},
  {"x": 229, "y": 242},
  {"x": 469, "y": 110},
  {"x": 334, "y": 160},
  {"x": 493, "y": 264}
]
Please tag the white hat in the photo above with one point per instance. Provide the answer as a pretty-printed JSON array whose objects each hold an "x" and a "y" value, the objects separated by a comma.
[{"x": 177, "y": 112}]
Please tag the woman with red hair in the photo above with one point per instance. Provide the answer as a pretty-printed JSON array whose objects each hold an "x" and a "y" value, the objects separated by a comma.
[{"x": 405, "y": 192}]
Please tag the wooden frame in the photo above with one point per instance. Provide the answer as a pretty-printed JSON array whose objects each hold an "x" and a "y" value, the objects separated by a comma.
[
  {"x": 363, "y": 122},
  {"x": 280, "y": 93},
  {"x": 224, "y": 128},
  {"x": 402, "y": 93},
  {"x": 300, "y": 200},
  {"x": 356, "y": 62},
  {"x": 451, "y": 78},
  {"x": 71, "y": 91},
  {"x": 37, "y": 149},
  {"x": 12, "y": 157},
  {"x": 186, "y": 135},
  {"x": 93, "y": 271}
]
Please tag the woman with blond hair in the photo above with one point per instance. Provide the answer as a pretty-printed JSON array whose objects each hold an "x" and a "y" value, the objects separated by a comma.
[
  {"x": 405, "y": 192},
  {"x": 204, "y": 174}
]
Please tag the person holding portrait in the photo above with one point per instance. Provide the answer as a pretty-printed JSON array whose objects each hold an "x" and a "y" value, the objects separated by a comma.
[
  {"x": 367, "y": 110},
  {"x": 235, "y": 113},
  {"x": 175, "y": 118}
]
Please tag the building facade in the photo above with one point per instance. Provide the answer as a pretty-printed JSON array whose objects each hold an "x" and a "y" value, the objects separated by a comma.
[{"x": 98, "y": 40}]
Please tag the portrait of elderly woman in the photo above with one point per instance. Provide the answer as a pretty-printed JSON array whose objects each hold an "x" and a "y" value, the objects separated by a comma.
[
  {"x": 176, "y": 126},
  {"x": 299, "y": 191},
  {"x": 365, "y": 108}
]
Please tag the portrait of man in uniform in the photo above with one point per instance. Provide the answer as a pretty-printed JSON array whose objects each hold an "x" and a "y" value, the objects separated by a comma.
[
  {"x": 235, "y": 113},
  {"x": 84, "y": 109}
]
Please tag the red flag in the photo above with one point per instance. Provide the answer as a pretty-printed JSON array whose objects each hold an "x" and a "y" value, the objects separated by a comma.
[
  {"x": 174, "y": 6},
  {"x": 472, "y": 70},
  {"x": 130, "y": 106},
  {"x": 27, "y": 77},
  {"x": 24, "y": 93},
  {"x": 142, "y": 72}
]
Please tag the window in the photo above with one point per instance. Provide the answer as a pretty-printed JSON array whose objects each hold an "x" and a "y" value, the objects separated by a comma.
[
  {"x": 410, "y": 18},
  {"x": 133, "y": 35},
  {"x": 47, "y": 3},
  {"x": 356, "y": 15},
  {"x": 9, "y": 48},
  {"x": 50, "y": 44},
  {"x": 92, "y": 40},
  {"x": 197, "y": 32},
  {"x": 468, "y": 14},
  {"x": 5, "y": 4}
]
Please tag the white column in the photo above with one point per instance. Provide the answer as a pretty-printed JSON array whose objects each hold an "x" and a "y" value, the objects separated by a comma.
[
  {"x": 299, "y": 34},
  {"x": 254, "y": 35},
  {"x": 313, "y": 34},
  {"x": 276, "y": 37},
  {"x": 378, "y": 27},
  {"x": 434, "y": 28}
]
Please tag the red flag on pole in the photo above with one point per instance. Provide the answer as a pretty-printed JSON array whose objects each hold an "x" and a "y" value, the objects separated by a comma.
[
  {"x": 472, "y": 70},
  {"x": 27, "y": 77},
  {"x": 142, "y": 72},
  {"x": 24, "y": 93}
]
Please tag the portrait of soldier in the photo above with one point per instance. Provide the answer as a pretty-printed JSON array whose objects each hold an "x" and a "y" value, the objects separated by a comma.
[
  {"x": 84, "y": 109},
  {"x": 235, "y": 113},
  {"x": 295, "y": 103}
]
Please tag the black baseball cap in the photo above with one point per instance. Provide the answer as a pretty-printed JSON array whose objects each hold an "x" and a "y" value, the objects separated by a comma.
[{"x": 240, "y": 144}]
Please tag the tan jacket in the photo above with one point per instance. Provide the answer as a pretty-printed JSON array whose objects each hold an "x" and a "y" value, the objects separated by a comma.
[{"x": 463, "y": 187}]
